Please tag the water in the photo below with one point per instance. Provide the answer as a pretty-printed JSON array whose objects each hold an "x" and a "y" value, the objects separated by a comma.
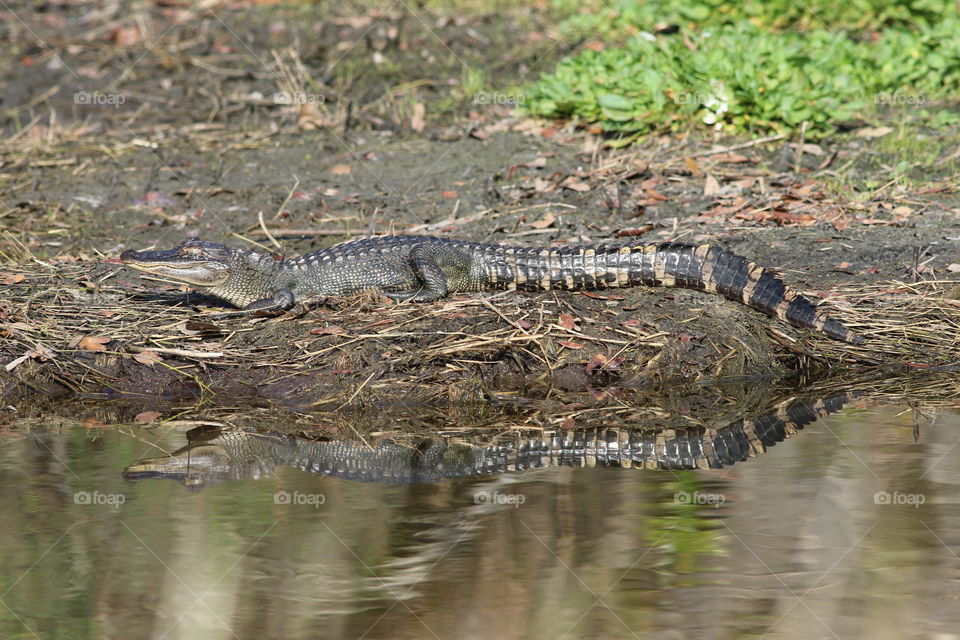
[{"x": 849, "y": 529}]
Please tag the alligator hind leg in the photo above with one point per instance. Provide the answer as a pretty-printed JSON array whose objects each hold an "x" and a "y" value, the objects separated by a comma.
[{"x": 425, "y": 260}]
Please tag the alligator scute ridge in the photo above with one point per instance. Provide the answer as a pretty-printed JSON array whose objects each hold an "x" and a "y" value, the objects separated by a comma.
[{"x": 425, "y": 268}]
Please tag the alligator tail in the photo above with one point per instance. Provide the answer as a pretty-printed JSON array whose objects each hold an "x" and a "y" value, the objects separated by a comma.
[{"x": 698, "y": 267}]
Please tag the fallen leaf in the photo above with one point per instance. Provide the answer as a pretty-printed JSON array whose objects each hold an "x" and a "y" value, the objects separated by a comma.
[
  {"x": 568, "y": 423},
  {"x": 873, "y": 132},
  {"x": 126, "y": 36},
  {"x": 567, "y": 321},
  {"x": 93, "y": 423},
  {"x": 148, "y": 358},
  {"x": 598, "y": 360},
  {"x": 570, "y": 344},
  {"x": 11, "y": 278},
  {"x": 711, "y": 187},
  {"x": 638, "y": 231},
  {"x": 332, "y": 330},
  {"x": 449, "y": 195},
  {"x": 340, "y": 169},
  {"x": 93, "y": 343},
  {"x": 418, "y": 120},
  {"x": 544, "y": 222},
  {"x": 575, "y": 185},
  {"x": 146, "y": 417},
  {"x": 954, "y": 267}
]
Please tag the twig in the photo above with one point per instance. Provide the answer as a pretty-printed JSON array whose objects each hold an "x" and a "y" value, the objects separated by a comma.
[{"x": 735, "y": 147}]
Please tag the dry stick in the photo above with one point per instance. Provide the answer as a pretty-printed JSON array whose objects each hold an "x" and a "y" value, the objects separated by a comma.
[{"x": 736, "y": 147}]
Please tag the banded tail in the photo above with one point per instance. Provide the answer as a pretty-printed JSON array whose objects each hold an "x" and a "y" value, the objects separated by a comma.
[{"x": 667, "y": 264}]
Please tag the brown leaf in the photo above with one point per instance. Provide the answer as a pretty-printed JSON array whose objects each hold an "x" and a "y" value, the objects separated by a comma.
[
  {"x": 637, "y": 231},
  {"x": 449, "y": 195},
  {"x": 544, "y": 222},
  {"x": 598, "y": 360},
  {"x": 575, "y": 185},
  {"x": 93, "y": 343},
  {"x": 332, "y": 330},
  {"x": 148, "y": 358},
  {"x": 11, "y": 278},
  {"x": 418, "y": 120},
  {"x": 568, "y": 423},
  {"x": 341, "y": 169},
  {"x": 570, "y": 344},
  {"x": 146, "y": 417},
  {"x": 872, "y": 132},
  {"x": 126, "y": 36},
  {"x": 711, "y": 186},
  {"x": 567, "y": 321},
  {"x": 692, "y": 165}
]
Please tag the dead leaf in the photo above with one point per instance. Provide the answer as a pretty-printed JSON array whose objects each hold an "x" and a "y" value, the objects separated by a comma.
[
  {"x": 332, "y": 330},
  {"x": 568, "y": 423},
  {"x": 126, "y": 36},
  {"x": 575, "y": 185},
  {"x": 692, "y": 165},
  {"x": 873, "y": 132},
  {"x": 711, "y": 186},
  {"x": 310, "y": 117},
  {"x": 598, "y": 361},
  {"x": 93, "y": 343},
  {"x": 148, "y": 358},
  {"x": 544, "y": 222},
  {"x": 567, "y": 321},
  {"x": 449, "y": 195},
  {"x": 418, "y": 120},
  {"x": 11, "y": 278},
  {"x": 146, "y": 417},
  {"x": 570, "y": 344},
  {"x": 341, "y": 169},
  {"x": 954, "y": 267}
]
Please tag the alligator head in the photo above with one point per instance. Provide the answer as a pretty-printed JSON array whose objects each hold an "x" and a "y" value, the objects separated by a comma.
[{"x": 239, "y": 277}]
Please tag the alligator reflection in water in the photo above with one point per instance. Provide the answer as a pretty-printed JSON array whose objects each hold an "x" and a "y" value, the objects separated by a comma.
[{"x": 214, "y": 456}]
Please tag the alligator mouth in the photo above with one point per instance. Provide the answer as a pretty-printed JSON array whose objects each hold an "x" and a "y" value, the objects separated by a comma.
[{"x": 200, "y": 273}]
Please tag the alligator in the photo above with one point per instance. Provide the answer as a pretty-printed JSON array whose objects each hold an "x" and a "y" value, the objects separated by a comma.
[
  {"x": 425, "y": 269},
  {"x": 220, "y": 454}
]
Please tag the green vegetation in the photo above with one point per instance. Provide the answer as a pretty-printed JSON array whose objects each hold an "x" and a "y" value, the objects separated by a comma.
[
  {"x": 732, "y": 70},
  {"x": 612, "y": 18}
]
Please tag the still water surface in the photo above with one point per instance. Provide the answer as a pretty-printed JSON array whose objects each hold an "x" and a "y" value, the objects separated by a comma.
[{"x": 850, "y": 529}]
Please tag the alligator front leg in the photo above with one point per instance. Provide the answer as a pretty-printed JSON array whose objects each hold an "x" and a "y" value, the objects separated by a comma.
[
  {"x": 425, "y": 261},
  {"x": 282, "y": 300}
]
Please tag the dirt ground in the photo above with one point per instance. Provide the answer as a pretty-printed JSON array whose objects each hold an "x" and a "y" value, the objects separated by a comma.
[{"x": 133, "y": 126}]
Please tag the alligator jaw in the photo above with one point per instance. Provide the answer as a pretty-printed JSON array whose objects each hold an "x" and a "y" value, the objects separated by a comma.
[{"x": 197, "y": 263}]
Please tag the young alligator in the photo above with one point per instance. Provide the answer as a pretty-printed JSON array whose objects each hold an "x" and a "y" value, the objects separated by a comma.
[
  {"x": 218, "y": 455},
  {"x": 424, "y": 269}
]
